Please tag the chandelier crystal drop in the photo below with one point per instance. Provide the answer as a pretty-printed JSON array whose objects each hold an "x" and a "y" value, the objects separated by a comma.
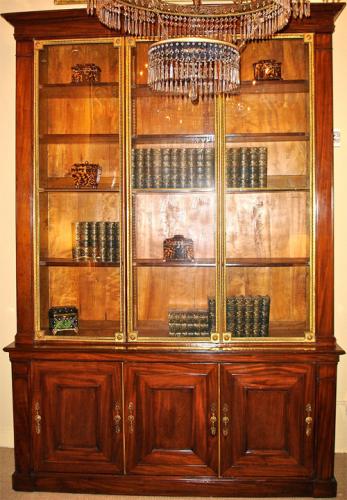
[
  {"x": 198, "y": 51},
  {"x": 193, "y": 67}
]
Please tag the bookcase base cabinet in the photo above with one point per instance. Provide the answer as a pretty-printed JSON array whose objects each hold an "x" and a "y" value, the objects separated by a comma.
[{"x": 114, "y": 424}]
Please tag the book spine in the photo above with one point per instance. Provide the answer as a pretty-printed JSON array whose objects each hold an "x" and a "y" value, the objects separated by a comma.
[
  {"x": 191, "y": 160},
  {"x": 133, "y": 169},
  {"x": 244, "y": 168},
  {"x": 200, "y": 178},
  {"x": 166, "y": 164},
  {"x": 262, "y": 167},
  {"x": 147, "y": 164},
  {"x": 139, "y": 172},
  {"x": 173, "y": 167},
  {"x": 182, "y": 168},
  {"x": 156, "y": 169},
  {"x": 211, "y": 314},
  {"x": 209, "y": 167},
  {"x": 254, "y": 167}
]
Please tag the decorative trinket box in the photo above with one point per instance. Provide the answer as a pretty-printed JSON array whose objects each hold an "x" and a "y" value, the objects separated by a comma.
[
  {"x": 267, "y": 69},
  {"x": 86, "y": 175},
  {"x": 85, "y": 73},
  {"x": 63, "y": 320},
  {"x": 178, "y": 248}
]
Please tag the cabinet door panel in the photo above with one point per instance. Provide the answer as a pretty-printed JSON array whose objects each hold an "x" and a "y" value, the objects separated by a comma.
[
  {"x": 78, "y": 404},
  {"x": 168, "y": 411},
  {"x": 267, "y": 407}
]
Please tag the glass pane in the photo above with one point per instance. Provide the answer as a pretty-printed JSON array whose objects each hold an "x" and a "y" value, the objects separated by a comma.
[
  {"x": 174, "y": 212},
  {"x": 79, "y": 190},
  {"x": 268, "y": 182}
]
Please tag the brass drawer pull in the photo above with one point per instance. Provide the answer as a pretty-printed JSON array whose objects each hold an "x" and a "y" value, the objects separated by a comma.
[
  {"x": 225, "y": 420},
  {"x": 213, "y": 420},
  {"x": 117, "y": 418},
  {"x": 308, "y": 420},
  {"x": 37, "y": 418},
  {"x": 131, "y": 418}
]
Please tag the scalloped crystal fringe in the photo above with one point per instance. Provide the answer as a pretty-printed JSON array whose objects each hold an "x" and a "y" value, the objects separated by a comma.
[{"x": 240, "y": 27}]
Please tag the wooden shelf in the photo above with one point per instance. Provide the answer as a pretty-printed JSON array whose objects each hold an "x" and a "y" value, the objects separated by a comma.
[
  {"x": 173, "y": 139},
  {"x": 53, "y": 262},
  {"x": 247, "y": 262},
  {"x": 274, "y": 87},
  {"x": 172, "y": 190},
  {"x": 268, "y": 262},
  {"x": 162, "y": 263},
  {"x": 78, "y": 91},
  {"x": 277, "y": 329},
  {"x": 209, "y": 138},
  {"x": 66, "y": 185},
  {"x": 89, "y": 328},
  {"x": 78, "y": 138},
  {"x": 268, "y": 137},
  {"x": 277, "y": 183},
  {"x": 247, "y": 87},
  {"x": 158, "y": 329}
]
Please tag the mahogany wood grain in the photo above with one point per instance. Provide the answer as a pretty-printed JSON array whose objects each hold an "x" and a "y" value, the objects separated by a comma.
[
  {"x": 95, "y": 291},
  {"x": 267, "y": 113},
  {"x": 324, "y": 189},
  {"x": 21, "y": 384},
  {"x": 171, "y": 431},
  {"x": 286, "y": 286},
  {"x": 326, "y": 397},
  {"x": 267, "y": 225},
  {"x": 77, "y": 408},
  {"x": 24, "y": 193},
  {"x": 290, "y": 55},
  {"x": 267, "y": 410},
  {"x": 161, "y": 217},
  {"x": 173, "y": 486},
  {"x": 162, "y": 288}
]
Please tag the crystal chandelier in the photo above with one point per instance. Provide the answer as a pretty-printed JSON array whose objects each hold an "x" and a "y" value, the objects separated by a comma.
[{"x": 198, "y": 51}]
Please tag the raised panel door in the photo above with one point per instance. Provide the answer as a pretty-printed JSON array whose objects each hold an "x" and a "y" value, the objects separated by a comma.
[
  {"x": 267, "y": 420},
  {"x": 169, "y": 408},
  {"x": 77, "y": 417}
]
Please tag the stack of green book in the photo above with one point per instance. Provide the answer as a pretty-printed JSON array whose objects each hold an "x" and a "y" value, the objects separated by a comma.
[
  {"x": 188, "y": 323},
  {"x": 97, "y": 241},
  {"x": 172, "y": 168},
  {"x": 246, "y": 167},
  {"x": 246, "y": 316}
]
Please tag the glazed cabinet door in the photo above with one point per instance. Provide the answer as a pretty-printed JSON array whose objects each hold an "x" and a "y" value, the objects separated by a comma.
[
  {"x": 267, "y": 420},
  {"x": 171, "y": 419},
  {"x": 77, "y": 417}
]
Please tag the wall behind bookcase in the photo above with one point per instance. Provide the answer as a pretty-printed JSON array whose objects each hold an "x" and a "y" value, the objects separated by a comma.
[{"x": 7, "y": 211}]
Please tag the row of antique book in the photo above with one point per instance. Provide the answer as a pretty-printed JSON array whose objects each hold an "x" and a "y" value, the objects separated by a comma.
[
  {"x": 246, "y": 316},
  {"x": 97, "y": 241},
  {"x": 166, "y": 168}
]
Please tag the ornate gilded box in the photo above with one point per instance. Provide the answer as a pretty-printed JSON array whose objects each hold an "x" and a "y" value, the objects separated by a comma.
[
  {"x": 267, "y": 69},
  {"x": 85, "y": 73},
  {"x": 63, "y": 320},
  {"x": 178, "y": 248},
  {"x": 86, "y": 175}
]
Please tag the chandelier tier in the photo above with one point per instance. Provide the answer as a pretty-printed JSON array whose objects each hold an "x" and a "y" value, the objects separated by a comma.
[
  {"x": 243, "y": 20},
  {"x": 193, "y": 67},
  {"x": 195, "y": 57}
]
